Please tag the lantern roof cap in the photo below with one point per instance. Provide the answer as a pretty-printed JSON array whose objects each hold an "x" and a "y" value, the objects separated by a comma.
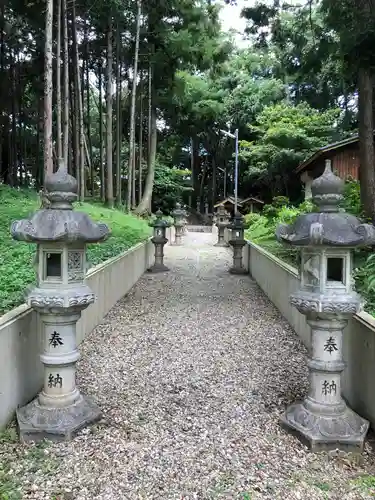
[
  {"x": 158, "y": 221},
  {"x": 237, "y": 222},
  {"x": 330, "y": 225},
  {"x": 178, "y": 211},
  {"x": 59, "y": 222}
]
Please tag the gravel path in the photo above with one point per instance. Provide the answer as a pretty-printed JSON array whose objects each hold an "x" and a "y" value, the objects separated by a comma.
[{"x": 192, "y": 370}]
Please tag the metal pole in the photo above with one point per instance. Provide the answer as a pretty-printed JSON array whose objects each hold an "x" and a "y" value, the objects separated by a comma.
[{"x": 236, "y": 173}]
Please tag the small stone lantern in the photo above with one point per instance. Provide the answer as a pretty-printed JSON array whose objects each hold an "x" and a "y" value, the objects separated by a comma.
[
  {"x": 159, "y": 240},
  {"x": 222, "y": 221},
  {"x": 178, "y": 215},
  {"x": 326, "y": 239},
  {"x": 237, "y": 241},
  {"x": 61, "y": 235}
]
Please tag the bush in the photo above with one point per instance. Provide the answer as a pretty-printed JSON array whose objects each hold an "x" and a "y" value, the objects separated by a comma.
[
  {"x": 250, "y": 219},
  {"x": 352, "y": 198},
  {"x": 16, "y": 263}
]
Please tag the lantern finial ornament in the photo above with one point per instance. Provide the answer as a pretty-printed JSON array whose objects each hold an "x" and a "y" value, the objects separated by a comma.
[
  {"x": 61, "y": 235},
  {"x": 327, "y": 190},
  {"x": 326, "y": 239}
]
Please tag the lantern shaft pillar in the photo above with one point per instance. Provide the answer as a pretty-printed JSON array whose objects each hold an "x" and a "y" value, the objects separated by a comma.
[{"x": 323, "y": 419}]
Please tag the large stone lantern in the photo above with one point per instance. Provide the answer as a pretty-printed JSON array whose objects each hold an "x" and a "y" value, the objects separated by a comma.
[
  {"x": 159, "y": 240},
  {"x": 222, "y": 221},
  {"x": 237, "y": 241},
  {"x": 326, "y": 239},
  {"x": 61, "y": 235},
  {"x": 179, "y": 222}
]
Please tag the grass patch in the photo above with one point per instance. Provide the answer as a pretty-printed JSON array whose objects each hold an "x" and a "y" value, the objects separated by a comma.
[
  {"x": 365, "y": 484},
  {"x": 16, "y": 258}
]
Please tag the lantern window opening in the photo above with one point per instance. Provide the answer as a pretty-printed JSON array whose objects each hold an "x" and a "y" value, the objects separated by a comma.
[
  {"x": 335, "y": 272},
  {"x": 52, "y": 263}
]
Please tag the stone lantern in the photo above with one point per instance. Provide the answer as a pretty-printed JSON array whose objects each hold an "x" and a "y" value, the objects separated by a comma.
[
  {"x": 237, "y": 241},
  {"x": 178, "y": 215},
  {"x": 222, "y": 221},
  {"x": 326, "y": 239},
  {"x": 61, "y": 235},
  {"x": 159, "y": 240}
]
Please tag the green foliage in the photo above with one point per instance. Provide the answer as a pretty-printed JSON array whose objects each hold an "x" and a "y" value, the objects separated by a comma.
[
  {"x": 352, "y": 198},
  {"x": 170, "y": 185},
  {"x": 286, "y": 134},
  {"x": 16, "y": 263}
]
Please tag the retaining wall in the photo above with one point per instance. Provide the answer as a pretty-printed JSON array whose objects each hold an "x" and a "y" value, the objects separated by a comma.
[{"x": 21, "y": 375}]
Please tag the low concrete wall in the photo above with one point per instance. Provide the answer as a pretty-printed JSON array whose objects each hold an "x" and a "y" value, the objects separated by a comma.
[
  {"x": 21, "y": 375},
  {"x": 278, "y": 279},
  {"x": 200, "y": 229}
]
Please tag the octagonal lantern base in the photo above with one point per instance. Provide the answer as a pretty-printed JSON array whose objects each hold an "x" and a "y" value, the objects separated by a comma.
[
  {"x": 238, "y": 270},
  {"x": 158, "y": 268},
  {"x": 36, "y": 422},
  {"x": 345, "y": 431}
]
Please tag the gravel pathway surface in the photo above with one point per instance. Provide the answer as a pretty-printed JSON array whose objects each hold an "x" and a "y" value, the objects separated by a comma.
[{"x": 192, "y": 370}]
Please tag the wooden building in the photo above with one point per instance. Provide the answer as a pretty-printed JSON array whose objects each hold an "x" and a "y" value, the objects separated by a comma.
[
  {"x": 344, "y": 156},
  {"x": 245, "y": 206}
]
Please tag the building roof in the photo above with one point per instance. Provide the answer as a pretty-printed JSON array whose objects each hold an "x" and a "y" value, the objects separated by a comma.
[
  {"x": 330, "y": 147},
  {"x": 240, "y": 201},
  {"x": 252, "y": 198}
]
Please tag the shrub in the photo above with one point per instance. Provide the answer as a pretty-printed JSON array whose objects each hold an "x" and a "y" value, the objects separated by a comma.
[
  {"x": 352, "y": 198},
  {"x": 250, "y": 219}
]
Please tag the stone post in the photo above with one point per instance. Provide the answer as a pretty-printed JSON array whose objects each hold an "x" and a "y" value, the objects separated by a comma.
[
  {"x": 327, "y": 239},
  {"x": 61, "y": 235},
  {"x": 222, "y": 221},
  {"x": 159, "y": 240},
  {"x": 237, "y": 241},
  {"x": 178, "y": 215}
]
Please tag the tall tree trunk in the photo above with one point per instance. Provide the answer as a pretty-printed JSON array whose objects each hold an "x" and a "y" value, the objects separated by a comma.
[
  {"x": 366, "y": 141},
  {"x": 13, "y": 135},
  {"x": 140, "y": 140},
  {"x": 109, "y": 190},
  {"x": 149, "y": 109},
  {"x": 144, "y": 205},
  {"x": 118, "y": 116},
  {"x": 48, "y": 159},
  {"x": 58, "y": 82},
  {"x": 66, "y": 84},
  {"x": 79, "y": 109},
  {"x": 131, "y": 166},
  {"x": 101, "y": 148},
  {"x": 88, "y": 114}
]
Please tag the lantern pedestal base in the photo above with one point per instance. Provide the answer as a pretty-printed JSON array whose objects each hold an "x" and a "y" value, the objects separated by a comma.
[
  {"x": 345, "y": 431},
  {"x": 238, "y": 270},
  {"x": 36, "y": 422},
  {"x": 158, "y": 268},
  {"x": 221, "y": 244}
]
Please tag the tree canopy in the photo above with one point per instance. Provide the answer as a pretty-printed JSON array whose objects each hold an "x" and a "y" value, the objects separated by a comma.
[{"x": 150, "y": 86}]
